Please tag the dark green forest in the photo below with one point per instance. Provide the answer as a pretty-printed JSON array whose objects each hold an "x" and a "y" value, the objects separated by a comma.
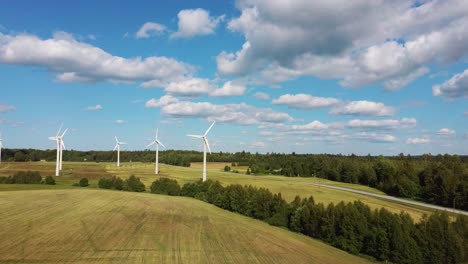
[{"x": 435, "y": 179}]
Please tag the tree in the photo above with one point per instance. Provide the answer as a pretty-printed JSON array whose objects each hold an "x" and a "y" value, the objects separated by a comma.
[
  {"x": 133, "y": 184},
  {"x": 84, "y": 182},
  {"x": 49, "y": 180},
  {"x": 165, "y": 186}
]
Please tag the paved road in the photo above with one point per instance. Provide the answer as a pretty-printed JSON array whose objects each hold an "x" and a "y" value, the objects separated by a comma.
[{"x": 387, "y": 197}]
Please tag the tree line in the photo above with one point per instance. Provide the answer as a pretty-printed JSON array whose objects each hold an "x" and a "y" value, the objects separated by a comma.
[
  {"x": 440, "y": 179},
  {"x": 352, "y": 227}
]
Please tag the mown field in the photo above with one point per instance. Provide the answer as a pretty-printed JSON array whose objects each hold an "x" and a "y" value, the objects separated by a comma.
[
  {"x": 288, "y": 186},
  {"x": 100, "y": 226}
]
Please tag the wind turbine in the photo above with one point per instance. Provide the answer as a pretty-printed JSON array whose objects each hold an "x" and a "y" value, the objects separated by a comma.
[
  {"x": 1, "y": 146},
  {"x": 117, "y": 147},
  {"x": 205, "y": 146},
  {"x": 59, "y": 140},
  {"x": 157, "y": 143},
  {"x": 62, "y": 147}
]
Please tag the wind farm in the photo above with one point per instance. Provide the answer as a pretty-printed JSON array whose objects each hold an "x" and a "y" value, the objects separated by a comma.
[{"x": 244, "y": 131}]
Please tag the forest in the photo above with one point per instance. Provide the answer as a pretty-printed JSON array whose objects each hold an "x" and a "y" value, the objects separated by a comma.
[{"x": 435, "y": 179}]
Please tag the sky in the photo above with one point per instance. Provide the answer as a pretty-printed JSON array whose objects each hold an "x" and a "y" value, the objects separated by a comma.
[{"x": 339, "y": 76}]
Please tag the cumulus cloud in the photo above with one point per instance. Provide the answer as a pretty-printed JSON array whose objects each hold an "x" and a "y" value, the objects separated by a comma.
[
  {"x": 417, "y": 141},
  {"x": 75, "y": 61},
  {"x": 150, "y": 28},
  {"x": 94, "y": 108},
  {"x": 120, "y": 121},
  {"x": 304, "y": 101},
  {"x": 374, "y": 137},
  {"x": 229, "y": 113},
  {"x": 363, "y": 108},
  {"x": 382, "y": 124},
  {"x": 229, "y": 89},
  {"x": 190, "y": 87},
  {"x": 366, "y": 42},
  {"x": 261, "y": 96},
  {"x": 194, "y": 22},
  {"x": 455, "y": 87},
  {"x": 446, "y": 132},
  {"x": 258, "y": 144},
  {"x": 6, "y": 108}
]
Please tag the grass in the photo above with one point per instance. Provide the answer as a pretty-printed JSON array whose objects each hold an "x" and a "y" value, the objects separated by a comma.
[
  {"x": 99, "y": 226},
  {"x": 288, "y": 186}
]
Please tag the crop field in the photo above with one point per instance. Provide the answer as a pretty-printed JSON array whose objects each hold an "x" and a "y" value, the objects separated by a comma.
[
  {"x": 101, "y": 226},
  {"x": 288, "y": 186}
]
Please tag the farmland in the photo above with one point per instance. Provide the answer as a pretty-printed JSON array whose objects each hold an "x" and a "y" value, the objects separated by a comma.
[
  {"x": 98, "y": 226},
  {"x": 288, "y": 186}
]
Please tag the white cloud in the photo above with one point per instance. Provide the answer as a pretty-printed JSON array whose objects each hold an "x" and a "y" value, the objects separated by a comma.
[
  {"x": 94, "y": 108},
  {"x": 190, "y": 87},
  {"x": 258, "y": 144},
  {"x": 193, "y": 22},
  {"x": 374, "y": 137},
  {"x": 75, "y": 61},
  {"x": 261, "y": 96},
  {"x": 417, "y": 141},
  {"x": 363, "y": 108},
  {"x": 229, "y": 89},
  {"x": 455, "y": 87},
  {"x": 6, "y": 108},
  {"x": 382, "y": 124},
  {"x": 120, "y": 121},
  {"x": 229, "y": 113},
  {"x": 446, "y": 132},
  {"x": 304, "y": 101},
  {"x": 357, "y": 44},
  {"x": 150, "y": 28}
]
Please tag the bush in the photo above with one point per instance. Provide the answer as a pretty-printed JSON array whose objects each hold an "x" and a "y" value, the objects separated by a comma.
[
  {"x": 49, "y": 180},
  {"x": 227, "y": 168},
  {"x": 84, "y": 182},
  {"x": 165, "y": 186},
  {"x": 23, "y": 177},
  {"x": 133, "y": 184}
]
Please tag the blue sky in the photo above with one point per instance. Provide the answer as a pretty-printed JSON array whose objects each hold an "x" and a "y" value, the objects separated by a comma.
[{"x": 277, "y": 76}]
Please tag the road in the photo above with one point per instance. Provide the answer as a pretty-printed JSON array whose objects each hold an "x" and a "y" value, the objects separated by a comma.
[{"x": 387, "y": 197}]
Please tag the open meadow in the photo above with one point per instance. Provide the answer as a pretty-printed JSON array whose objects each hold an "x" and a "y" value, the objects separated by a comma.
[
  {"x": 288, "y": 186},
  {"x": 101, "y": 226}
]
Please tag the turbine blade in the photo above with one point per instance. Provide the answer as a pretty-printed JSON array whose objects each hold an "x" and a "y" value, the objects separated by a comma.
[
  {"x": 159, "y": 143},
  {"x": 116, "y": 140},
  {"x": 116, "y": 146},
  {"x": 64, "y": 132},
  {"x": 157, "y": 131},
  {"x": 195, "y": 136},
  {"x": 63, "y": 145},
  {"x": 152, "y": 143},
  {"x": 208, "y": 130},
  {"x": 53, "y": 138},
  {"x": 207, "y": 144},
  {"x": 122, "y": 143},
  {"x": 58, "y": 132}
]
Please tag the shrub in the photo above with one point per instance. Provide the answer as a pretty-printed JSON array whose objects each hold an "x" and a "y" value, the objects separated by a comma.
[
  {"x": 165, "y": 186},
  {"x": 227, "y": 168},
  {"x": 84, "y": 182},
  {"x": 111, "y": 183},
  {"x": 49, "y": 180},
  {"x": 133, "y": 184},
  {"x": 23, "y": 177}
]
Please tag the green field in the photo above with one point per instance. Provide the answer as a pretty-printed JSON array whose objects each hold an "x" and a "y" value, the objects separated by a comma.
[
  {"x": 100, "y": 226},
  {"x": 288, "y": 186}
]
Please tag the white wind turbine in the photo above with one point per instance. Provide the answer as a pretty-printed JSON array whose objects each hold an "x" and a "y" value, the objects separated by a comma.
[
  {"x": 157, "y": 143},
  {"x": 117, "y": 147},
  {"x": 60, "y": 145},
  {"x": 205, "y": 146}
]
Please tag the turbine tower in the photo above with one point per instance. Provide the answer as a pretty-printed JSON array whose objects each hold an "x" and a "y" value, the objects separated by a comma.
[
  {"x": 117, "y": 147},
  {"x": 58, "y": 139},
  {"x": 62, "y": 147},
  {"x": 157, "y": 143},
  {"x": 1, "y": 146},
  {"x": 205, "y": 146}
]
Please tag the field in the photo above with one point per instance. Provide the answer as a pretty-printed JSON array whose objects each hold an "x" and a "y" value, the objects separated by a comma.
[
  {"x": 100, "y": 226},
  {"x": 288, "y": 186}
]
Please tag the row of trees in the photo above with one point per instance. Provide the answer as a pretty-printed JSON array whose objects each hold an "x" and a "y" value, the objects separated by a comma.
[
  {"x": 132, "y": 184},
  {"x": 353, "y": 227},
  {"x": 27, "y": 177}
]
